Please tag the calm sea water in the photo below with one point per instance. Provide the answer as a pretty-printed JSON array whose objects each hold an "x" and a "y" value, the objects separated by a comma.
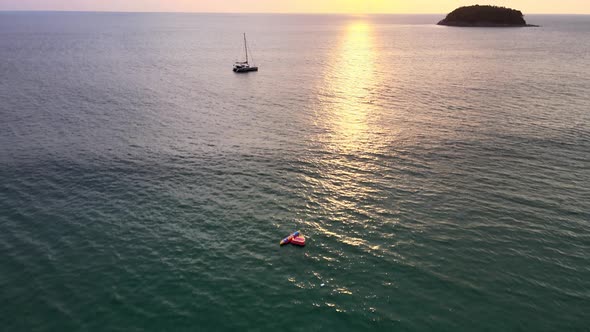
[{"x": 441, "y": 175}]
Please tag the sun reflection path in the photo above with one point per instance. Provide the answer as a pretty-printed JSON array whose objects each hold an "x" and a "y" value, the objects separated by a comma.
[
  {"x": 345, "y": 182},
  {"x": 346, "y": 97},
  {"x": 351, "y": 132}
]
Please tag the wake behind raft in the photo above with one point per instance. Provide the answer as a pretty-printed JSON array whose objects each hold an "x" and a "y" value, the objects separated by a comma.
[{"x": 296, "y": 238}]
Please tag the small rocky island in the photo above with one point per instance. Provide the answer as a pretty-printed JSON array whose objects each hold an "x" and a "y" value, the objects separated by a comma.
[{"x": 485, "y": 16}]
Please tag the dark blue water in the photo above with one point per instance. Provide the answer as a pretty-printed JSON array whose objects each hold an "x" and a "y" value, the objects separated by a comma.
[{"x": 441, "y": 175}]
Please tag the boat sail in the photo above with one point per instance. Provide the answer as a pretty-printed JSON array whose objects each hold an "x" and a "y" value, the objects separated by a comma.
[{"x": 244, "y": 66}]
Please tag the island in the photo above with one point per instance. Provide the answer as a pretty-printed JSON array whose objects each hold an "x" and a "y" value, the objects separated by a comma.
[{"x": 485, "y": 16}]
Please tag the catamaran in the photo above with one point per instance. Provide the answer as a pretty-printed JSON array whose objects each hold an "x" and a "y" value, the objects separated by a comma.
[{"x": 244, "y": 66}]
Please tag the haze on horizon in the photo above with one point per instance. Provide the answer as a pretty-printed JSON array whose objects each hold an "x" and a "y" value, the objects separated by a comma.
[{"x": 294, "y": 6}]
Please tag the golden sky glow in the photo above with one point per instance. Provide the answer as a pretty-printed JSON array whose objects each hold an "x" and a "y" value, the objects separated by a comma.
[{"x": 295, "y": 6}]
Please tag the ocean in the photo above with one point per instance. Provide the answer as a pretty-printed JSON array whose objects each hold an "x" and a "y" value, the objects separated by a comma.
[{"x": 441, "y": 175}]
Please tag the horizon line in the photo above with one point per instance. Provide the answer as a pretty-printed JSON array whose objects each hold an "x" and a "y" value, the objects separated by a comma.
[{"x": 244, "y": 13}]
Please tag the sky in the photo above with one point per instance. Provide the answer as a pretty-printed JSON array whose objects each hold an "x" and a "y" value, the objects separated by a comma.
[{"x": 296, "y": 6}]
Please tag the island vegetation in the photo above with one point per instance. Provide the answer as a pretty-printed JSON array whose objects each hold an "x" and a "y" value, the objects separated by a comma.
[{"x": 485, "y": 16}]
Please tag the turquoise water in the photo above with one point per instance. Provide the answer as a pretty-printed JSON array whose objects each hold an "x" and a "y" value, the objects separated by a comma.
[{"x": 440, "y": 175}]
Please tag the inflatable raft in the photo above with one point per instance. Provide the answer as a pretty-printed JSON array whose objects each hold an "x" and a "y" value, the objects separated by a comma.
[{"x": 296, "y": 238}]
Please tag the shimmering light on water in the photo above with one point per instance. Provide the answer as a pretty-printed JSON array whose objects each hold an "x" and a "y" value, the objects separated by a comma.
[{"x": 345, "y": 96}]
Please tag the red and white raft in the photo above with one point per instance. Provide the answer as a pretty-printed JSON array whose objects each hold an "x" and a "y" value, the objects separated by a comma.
[{"x": 296, "y": 238}]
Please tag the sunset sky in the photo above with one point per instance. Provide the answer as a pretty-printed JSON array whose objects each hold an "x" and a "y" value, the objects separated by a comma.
[{"x": 295, "y": 6}]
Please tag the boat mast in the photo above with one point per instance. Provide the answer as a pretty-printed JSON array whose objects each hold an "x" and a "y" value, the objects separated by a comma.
[{"x": 245, "y": 47}]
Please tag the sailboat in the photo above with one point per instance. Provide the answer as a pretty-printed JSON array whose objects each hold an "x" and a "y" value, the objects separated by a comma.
[{"x": 244, "y": 67}]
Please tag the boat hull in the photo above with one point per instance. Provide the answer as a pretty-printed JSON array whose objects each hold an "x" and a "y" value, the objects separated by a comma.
[{"x": 245, "y": 70}]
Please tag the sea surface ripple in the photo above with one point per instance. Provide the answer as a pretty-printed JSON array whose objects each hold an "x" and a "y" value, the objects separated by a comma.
[{"x": 440, "y": 175}]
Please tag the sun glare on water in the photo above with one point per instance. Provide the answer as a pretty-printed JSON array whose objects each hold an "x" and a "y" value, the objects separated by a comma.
[
  {"x": 347, "y": 114},
  {"x": 347, "y": 88}
]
